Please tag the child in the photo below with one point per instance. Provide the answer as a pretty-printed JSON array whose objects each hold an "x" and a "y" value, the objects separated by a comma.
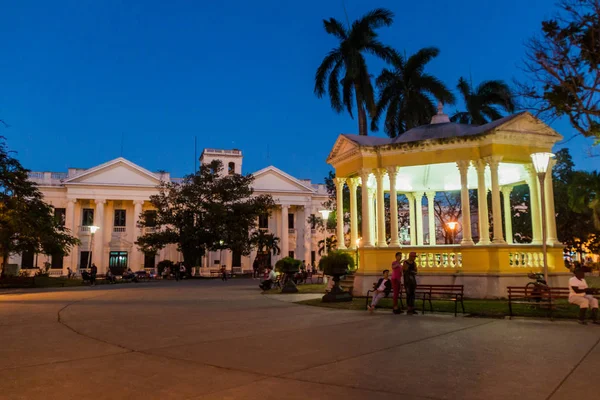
[{"x": 383, "y": 287}]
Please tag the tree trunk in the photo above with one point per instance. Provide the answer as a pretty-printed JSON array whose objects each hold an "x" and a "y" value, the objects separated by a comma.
[
  {"x": 362, "y": 114},
  {"x": 5, "y": 256}
]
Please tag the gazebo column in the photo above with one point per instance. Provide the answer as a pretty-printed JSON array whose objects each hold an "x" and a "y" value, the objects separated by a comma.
[
  {"x": 534, "y": 205},
  {"x": 352, "y": 185},
  {"x": 339, "y": 185},
  {"x": 431, "y": 217},
  {"x": 372, "y": 216},
  {"x": 381, "y": 239},
  {"x": 463, "y": 168},
  {"x": 552, "y": 238},
  {"x": 506, "y": 190},
  {"x": 482, "y": 209},
  {"x": 392, "y": 174},
  {"x": 366, "y": 209},
  {"x": 419, "y": 201},
  {"x": 413, "y": 223},
  {"x": 494, "y": 163}
]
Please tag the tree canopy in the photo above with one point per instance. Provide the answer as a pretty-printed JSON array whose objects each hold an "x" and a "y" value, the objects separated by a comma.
[
  {"x": 208, "y": 211},
  {"x": 27, "y": 223},
  {"x": 561, "y": 65}
]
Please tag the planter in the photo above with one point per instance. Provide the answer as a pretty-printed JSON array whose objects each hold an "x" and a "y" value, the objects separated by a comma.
[
  {"x": 347, "y": 283},
  {"x": 337, "y": 294}
]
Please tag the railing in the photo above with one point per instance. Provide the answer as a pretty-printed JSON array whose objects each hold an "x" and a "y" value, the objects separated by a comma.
[
  {"x": 150, "y": 229},
  {"x": 442, "y": 259},
  {"x": 84, "y": 229},
  {"x": 59, "y": 175},
  {"x": 526, "y": 259},
  {"x": 119, "y": 229},
  {"x": 36, "y": 175},
  {"x": 220, "y": 151},
  {"x": 292, "y": 231}
]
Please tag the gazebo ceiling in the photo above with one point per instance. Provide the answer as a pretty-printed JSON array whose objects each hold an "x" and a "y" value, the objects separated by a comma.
[{"x": 446, "y": 177}]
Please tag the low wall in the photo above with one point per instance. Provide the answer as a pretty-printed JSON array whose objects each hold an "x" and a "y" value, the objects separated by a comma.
[{"x": 479, "y": 286}]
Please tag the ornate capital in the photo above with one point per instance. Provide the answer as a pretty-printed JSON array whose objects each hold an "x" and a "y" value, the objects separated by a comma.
[
  {"x": 73, "y": 201},
  {"x": 100, "y": 201},
  {"x": 506, "y": 189},
  {"x": 138, "y": 202},
  {"x": 339, "y": 182},
  {"x": 353, "y": 183},
  {"x": 364, "y": 174},
  {"x": 480, "y": 166},
  {"x": 392, "y": 171},
  {"x": 379, "y": 175},
  {"x": 430, "y": 195},
  {"x": 418, "y": 195},
  {"x": 493, "y": 161},
  {"x": 463, "y": 166}
]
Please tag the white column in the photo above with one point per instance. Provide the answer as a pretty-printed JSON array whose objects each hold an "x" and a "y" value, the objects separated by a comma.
[
  {"x": 420, "y": 230},
  {"x": 136, "y": 254},
  {"x": 381, "y": 238},
  {"x": 431, "y": 217},
  {"x": 299, "y": 252},
  {"x": 373, "y": 216},
  {"x": 285, "y": 249},
  {"x": 307, "y": 234},
  {"x": 392, "y": 173},
  {"x": 534, "y": 205},
  {"x": 98, "y": 252},
  {"x": 494, "y": 163},
  {"x": 482, "y": 208},
  {"x": 352, "y": 185},
  {"x": 506, "y": 190},
  {"x": 463, "y": 168},
  {"x": 413, "y": 223},
  {"x": 552, "y": 238},
  {"x": 71, "y": 259},
  {"x": 339, "y": 186},
  {"x": 366, "y": 209}
]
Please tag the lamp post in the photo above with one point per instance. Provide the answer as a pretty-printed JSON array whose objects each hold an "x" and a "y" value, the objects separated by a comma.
[
  {"x": 93, "y": 230},
  {"x": 540, "y": 163},
  {"x": 452, "y": 225},
  {"x": 357, "y": 245},
  {"x": 325, "y": 215}
]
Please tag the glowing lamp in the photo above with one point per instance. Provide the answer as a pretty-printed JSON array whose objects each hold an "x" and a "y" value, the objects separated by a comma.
[
  {"x": 452, "y": 225},
  {"x": 325, "y": 214},
  {"x": 93, "y": 229},
  {"x": 540, "y": 161}
]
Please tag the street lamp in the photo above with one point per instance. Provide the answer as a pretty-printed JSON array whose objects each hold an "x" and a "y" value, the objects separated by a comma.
[
  {"x": 93, "y": 230},
  {"x": 452, "y": 226},
  {"x": 325, "y": 215},
  {"x": 540, "y": 163},
  {"x": 357, "y": 245}
]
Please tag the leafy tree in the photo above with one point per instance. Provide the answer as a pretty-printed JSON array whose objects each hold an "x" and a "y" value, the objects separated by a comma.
[
  {"x": 208, "y": 211},
  {"x": 562, "y": 67},
  {"x": 406, "y": 93},
  {"x": 345, "y": 66},
  {"x": 584, "y": 195},
  {"x": 265, "y": 244},
  {"x": 26, "y": 221},
  {"x": 484, "y": 103},
  {"x": 447, "y": 208},
  {"x": 327, "y": 244}
]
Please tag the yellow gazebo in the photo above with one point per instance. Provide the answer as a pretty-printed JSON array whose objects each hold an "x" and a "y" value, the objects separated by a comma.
[{"x": 445, "y": 156}]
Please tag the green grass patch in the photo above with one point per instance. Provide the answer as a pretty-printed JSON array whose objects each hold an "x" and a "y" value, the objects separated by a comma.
[
  {"x": 303, "y": 288},
  {"x": 473, "y": 308}
]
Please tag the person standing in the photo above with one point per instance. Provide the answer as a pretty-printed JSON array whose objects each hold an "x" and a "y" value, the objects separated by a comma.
[
  {"x": 410, "y": 281},
  {"x": 182, "y": 270},
  {"x": 93, "y": 273},
  {"x": 396, "y": 281},
  {"x": 224, "y": 273},
  {"x": 255, "y": 266}
]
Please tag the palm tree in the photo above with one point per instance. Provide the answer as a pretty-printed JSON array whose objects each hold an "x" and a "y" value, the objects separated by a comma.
[
  {"x": 327, "y": 244},
  {"x": 484, "y": 102},
  {"x": 265, "y": 243},
  {"x": 345, "y": 66},
  {"x": 584, "y": 194},
  {"x": 407, "y": 93}
]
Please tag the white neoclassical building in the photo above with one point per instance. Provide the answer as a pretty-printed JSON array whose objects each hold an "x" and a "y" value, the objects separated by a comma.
[{"x": 112, "y": 196}]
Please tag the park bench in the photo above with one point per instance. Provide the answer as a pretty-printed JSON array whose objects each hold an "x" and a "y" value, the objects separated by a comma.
[
  {"x": 215, "y": 272},
  {"x": 536, "y": 296},
  {"x": 453, "y": 293}
]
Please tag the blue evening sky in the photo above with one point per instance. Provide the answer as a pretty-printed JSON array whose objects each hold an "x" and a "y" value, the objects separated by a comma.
[{"x": 76, "y": 75}]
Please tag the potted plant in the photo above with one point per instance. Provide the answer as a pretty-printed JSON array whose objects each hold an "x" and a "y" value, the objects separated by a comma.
[
  {"x": 336, "y": 264},
  {"x": 290, "y": 267}
]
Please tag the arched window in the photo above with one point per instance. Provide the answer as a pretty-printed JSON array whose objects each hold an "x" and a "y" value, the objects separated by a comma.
[{"x": 231, "y": 169}]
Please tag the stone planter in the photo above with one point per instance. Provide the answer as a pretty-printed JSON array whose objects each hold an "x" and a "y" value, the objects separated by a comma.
[{"x": 337, "y": 294}]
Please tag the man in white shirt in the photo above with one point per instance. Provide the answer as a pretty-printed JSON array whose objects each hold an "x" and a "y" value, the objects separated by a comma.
[
  {"x": 581, "y": 295},
  {"x": 267, "y": 283},
  {"x": 383, "y": 287}
]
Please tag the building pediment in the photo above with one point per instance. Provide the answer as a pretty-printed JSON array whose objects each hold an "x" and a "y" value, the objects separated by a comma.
[
  {"x": 343, "y": 147},
  {"x": 272, "y": 179},
  {"x": 118, "y": 172}
]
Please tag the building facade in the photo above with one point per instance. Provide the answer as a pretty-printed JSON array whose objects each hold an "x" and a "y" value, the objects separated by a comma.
[{"x": 111, "y": 196}]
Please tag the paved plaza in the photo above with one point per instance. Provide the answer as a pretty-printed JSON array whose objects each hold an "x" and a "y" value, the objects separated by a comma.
[{"x": 214, "y": 340}]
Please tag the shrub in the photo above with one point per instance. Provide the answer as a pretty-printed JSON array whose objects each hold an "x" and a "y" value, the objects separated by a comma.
[
  {"x": 288, "y": 265},
  {"x": 164, "y": 264},
  {"x": 337, "y": 262}
]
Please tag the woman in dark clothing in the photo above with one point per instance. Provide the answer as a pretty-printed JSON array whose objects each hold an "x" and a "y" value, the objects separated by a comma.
[{"x": 410, "y": 281}]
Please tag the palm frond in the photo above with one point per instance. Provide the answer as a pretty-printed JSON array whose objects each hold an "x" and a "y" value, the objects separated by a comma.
[
  {"x": 335, "y": 28},
  {"x": 376, "y": 19},
  {"x": 327, "y": 64}
]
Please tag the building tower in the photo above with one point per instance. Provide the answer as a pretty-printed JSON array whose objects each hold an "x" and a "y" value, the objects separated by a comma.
[{"x": 231, "y": 159}]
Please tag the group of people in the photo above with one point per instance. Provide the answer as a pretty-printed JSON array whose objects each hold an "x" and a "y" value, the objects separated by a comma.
[
  {"x": 401, "y": 271},
  {"x": 178, "y": 270}
]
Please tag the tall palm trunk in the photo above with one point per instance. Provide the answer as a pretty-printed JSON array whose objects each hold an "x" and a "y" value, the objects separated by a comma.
[{"x": 362, "y": 114}]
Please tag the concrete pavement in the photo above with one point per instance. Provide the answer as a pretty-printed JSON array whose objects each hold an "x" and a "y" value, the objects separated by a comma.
[{"x": 215, "y": 340}]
